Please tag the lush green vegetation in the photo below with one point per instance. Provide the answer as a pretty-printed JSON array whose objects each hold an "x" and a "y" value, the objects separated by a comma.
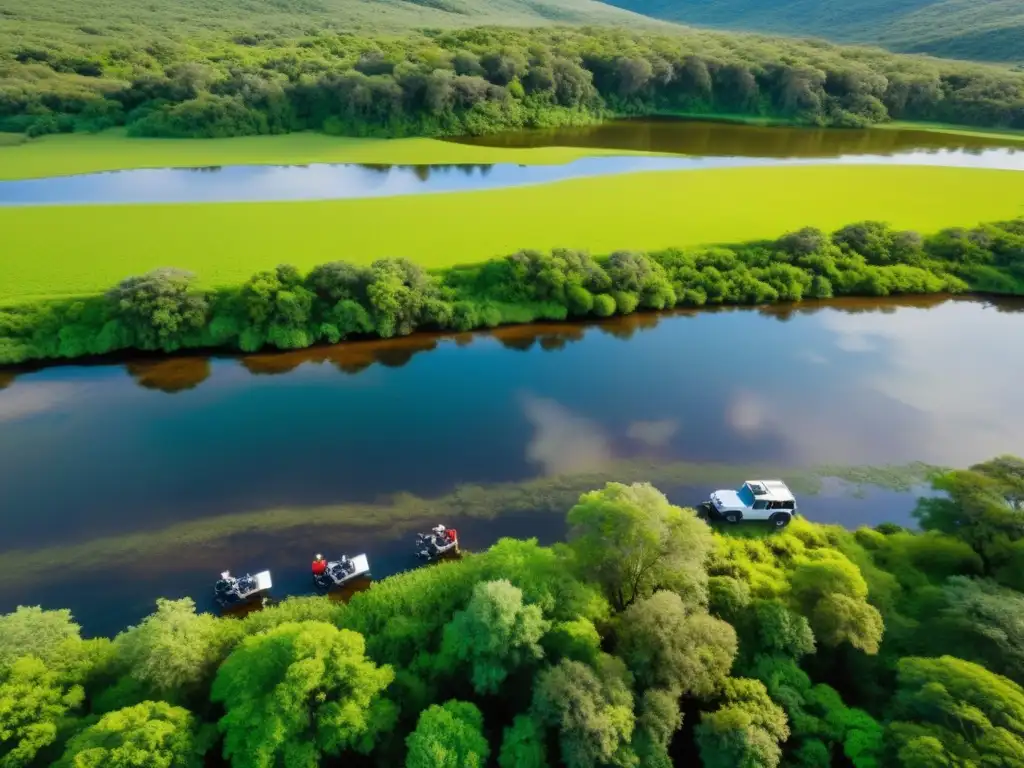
[
  {"x": 991, "y": 30},
  {"x": 60, "y": 251},
  {"x": 647, "y": 640},
  {"x": 474, "y": 81},
  {"x": 284, "y": 308}
]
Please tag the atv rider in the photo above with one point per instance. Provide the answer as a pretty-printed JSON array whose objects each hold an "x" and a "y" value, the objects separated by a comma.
[{"x": 319, "y": 566}]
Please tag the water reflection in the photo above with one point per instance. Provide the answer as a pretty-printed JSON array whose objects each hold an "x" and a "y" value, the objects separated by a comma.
[
  {"x": 177, "y": 374},
  {"x": 695, "y": 145},
  {"x": 708, "y": 138},
  {"x": 111, "y": 461}
]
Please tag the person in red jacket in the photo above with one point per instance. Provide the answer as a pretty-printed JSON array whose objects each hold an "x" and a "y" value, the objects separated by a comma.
[{"x": 319, "y": 565}]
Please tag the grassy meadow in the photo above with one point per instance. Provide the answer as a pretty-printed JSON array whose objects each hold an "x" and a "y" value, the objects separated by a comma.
[
  {"x": 53, "y": 251},
  {"x": 68, "y": 154}
]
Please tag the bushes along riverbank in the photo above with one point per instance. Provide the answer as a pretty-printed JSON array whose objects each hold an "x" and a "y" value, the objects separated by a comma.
[
  {"x": 283, "y": 308},
  {"x": 812, "y": 646}
]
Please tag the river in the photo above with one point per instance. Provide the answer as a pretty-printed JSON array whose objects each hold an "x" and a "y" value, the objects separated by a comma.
[
  {"x": 126, "y": 481},
  {"x": 690, "y": 145}
]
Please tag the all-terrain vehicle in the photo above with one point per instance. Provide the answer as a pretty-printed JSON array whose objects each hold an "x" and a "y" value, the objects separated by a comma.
[
  {"x": 438, "y": 543},
  {"x": 341, "y": 571},
  {"x": 232, "y": 592}
]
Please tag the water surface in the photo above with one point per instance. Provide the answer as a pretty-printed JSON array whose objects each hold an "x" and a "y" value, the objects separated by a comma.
[
  {"x": 90, "y": 455},
  {"x": 696, "y": 145}
]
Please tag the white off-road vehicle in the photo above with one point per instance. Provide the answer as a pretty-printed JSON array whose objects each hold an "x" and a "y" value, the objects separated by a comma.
[{"x": 754, "y": 500}]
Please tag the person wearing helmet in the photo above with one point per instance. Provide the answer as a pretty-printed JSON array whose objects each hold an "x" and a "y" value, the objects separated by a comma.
[{"x": 319, "y": 566}]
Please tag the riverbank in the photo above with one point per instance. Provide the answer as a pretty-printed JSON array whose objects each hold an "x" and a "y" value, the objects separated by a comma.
[
  {"x": 55, "y": 251},
  {"x": 70, "y": 154},
  {"x": 114, "y": 150},
  {"x": 287, "y": 308}
]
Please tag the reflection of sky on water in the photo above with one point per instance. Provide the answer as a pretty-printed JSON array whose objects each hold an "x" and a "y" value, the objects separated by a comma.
[
  {"x": 737, "y": 387},
  {"x": 321, "y": 182}
]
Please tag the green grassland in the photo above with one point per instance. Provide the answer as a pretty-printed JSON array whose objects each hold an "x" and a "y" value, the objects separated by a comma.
[
  {"x": 53, "y": 251},
  {"x": 983, "y": 30},
  {"x": 67, "y": 154}
]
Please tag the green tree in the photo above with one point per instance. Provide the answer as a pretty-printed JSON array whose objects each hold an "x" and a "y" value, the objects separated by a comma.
[
  {"x": 577, "y": 639},
  {"x": 448, "y": 736},
  {"x": 831, "y": 591},
  {"x": 666, "y": 646},
  {"x": 631, "y": 540},
  {"x": 956, "y": 712},
  {"x": 988, "y": 622},
  {"x": 161, "y": 307},
  {"x": 522, "y": 745},
  {"x": 35, "y": 632},
  {"x": 780, "y": 630},
  {"x": 495, "y": 634},
  {"x": 745, "y": 731},
  {"x": 35, "y": 703},
  {"x": 591, "y": 708},
  {"x": 981, "y": 505},
  {"x": 152, "y": 734},
  {"x": 658, "y": 721},
  {"x": 174, "y": 652},
  {"x": 298, "y": 691}
]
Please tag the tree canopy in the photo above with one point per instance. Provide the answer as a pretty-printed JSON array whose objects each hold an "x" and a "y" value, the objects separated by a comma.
[
  {"x": 495, "y": 634},
  {"x": 631, "y": 540},
  {"x": 448, "y": 736},
  {"x": 153, "y": 734},
  {"x": 298, "y": 691}
]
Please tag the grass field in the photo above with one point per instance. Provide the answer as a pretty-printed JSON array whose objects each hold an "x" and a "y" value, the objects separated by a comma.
[
  {"x": 68, "y": 154},
  {"x": 70, "y": 250}
]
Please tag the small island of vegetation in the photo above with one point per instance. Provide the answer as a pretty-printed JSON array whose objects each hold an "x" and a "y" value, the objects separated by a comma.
[{"x": 649, "y": 639}]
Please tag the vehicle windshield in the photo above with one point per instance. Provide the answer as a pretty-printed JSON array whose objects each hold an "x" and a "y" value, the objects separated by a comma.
[{"x": 746, "y": 495}]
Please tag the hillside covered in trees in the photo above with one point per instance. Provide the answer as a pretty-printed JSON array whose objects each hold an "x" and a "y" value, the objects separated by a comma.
[
  {"x": 472, "y": 81},
  {"x": 649, "y": 639},
  {"x": 983, "y": 30}
]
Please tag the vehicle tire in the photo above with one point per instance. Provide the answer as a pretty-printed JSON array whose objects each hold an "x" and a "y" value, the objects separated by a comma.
[
  {"x": 780, "y": 519},
  {"x": 732, "y": 517}
]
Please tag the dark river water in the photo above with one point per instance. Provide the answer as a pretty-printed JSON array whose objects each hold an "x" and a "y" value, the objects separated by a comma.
[
  {"x": 127, "y": 481},
  {"x": 696, "y": 144}
]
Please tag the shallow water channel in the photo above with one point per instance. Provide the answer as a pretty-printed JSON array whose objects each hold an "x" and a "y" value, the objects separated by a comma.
[
  {"x": 695, "y": 145},
  {"x": 127, "y": 481}
]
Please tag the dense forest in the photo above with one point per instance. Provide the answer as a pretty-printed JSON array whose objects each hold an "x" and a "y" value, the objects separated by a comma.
[
  {"x": 165, "y": 311},
  {"x": 478, "y": 81},
  {"x": 982, "y": 30},
  {"x": 649, "y": 639}
]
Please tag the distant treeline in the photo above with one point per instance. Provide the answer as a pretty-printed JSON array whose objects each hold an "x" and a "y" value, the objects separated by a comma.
[
  {"x": 483, "y": 80},
  {"x": 283, "y": 308}
]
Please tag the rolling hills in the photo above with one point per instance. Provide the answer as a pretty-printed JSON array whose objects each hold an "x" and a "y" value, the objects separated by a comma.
[
  {"x": 984, "y": 30},
  {"x": 93, "y": 23}
]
